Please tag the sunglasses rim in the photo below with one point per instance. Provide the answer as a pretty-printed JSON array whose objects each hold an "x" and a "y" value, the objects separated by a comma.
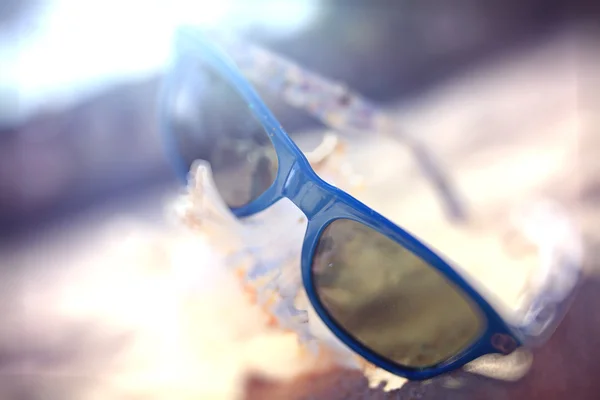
[
  {"x": 323, "y": 203},
  {"x": 490, "y": 321}
]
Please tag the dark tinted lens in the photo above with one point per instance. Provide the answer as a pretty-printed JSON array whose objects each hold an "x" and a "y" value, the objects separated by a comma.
[
  {"x": 211, "y": 121},
  {"x": 390, "y": 300}
]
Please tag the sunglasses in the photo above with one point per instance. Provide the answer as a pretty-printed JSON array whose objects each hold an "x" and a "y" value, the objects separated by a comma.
[{"x": 381, "y": 291}]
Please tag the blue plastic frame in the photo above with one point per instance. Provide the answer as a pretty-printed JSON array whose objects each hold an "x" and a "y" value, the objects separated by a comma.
[{"x": 323, "y": 203}]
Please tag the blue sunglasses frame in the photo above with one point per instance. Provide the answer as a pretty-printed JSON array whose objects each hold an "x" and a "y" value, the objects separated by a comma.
[{"x": 322, "y": 204}]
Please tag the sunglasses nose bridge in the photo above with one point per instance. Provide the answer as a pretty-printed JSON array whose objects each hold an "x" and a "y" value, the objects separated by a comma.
[{"x": 302, "y": 186}]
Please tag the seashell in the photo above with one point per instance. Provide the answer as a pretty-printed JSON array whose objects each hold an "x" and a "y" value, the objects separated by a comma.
[{"x": 267, "y": 263}]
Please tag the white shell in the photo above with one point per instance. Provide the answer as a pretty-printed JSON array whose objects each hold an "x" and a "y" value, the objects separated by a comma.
[{"x": 264, "y": 251}]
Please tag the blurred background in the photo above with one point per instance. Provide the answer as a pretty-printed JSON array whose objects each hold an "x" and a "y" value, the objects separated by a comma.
[
  {"x": 78, "y": 79},
  {"x": 78, "y": 125}
]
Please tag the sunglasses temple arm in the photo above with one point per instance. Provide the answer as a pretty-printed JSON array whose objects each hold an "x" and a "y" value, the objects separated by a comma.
[
  {"x": 338, "y": 108},
  {"x": 455, "y": 206}
]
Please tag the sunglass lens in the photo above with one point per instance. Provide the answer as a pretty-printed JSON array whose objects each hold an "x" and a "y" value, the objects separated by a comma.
[
  {"x": 209, "y": 120},
  {"x": 388, "y": 299}
]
